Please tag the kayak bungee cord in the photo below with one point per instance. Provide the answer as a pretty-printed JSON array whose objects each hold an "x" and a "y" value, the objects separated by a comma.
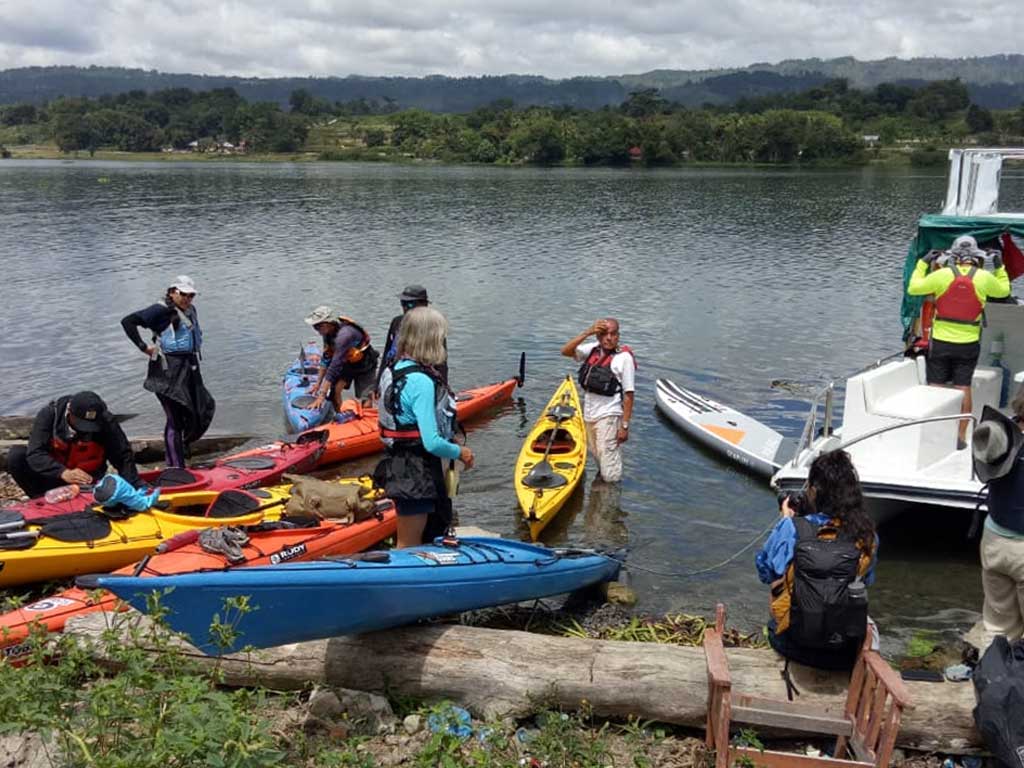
[{"x": 709, "y": 569}]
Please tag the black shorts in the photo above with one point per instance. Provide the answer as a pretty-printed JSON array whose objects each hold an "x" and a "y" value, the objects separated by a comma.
[{"x": 954, "y": 364}]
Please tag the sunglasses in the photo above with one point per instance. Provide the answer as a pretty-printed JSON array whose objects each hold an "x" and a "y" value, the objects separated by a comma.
[{"x": 186, "y": 295}]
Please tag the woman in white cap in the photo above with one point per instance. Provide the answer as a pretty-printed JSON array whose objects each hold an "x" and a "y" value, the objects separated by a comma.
[
  {"x": 998, "y": 447},
  {"x": 173, "y": 376}
]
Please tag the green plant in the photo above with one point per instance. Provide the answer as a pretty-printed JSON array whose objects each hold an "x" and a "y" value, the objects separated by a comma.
[{"x": 145, "y": 705}]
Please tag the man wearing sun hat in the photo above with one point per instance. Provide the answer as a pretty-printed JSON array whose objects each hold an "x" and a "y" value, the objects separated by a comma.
[
  {"x": 72, "y": 440},
  {"x": 998, "y": 448},
  {"x": 347, "y": 358},
  {"x": 961, "y": 288}
]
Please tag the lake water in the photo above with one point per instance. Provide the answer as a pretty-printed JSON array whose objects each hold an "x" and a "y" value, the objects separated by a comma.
[{"x": 724, "y": 280}]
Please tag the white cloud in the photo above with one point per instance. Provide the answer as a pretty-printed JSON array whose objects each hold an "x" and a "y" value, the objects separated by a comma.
[{"x": 467, "y": 37}]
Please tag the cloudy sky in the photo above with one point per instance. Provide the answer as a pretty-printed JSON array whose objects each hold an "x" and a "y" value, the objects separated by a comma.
[{"x": 475, "y": 37}]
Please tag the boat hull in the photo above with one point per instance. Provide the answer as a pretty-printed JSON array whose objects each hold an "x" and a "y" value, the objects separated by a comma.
[
  {"x": 567, "y": 459},
  {"x": 265, "y": 547},
  {"x": 307, "y": 601},
  {"x": 724, "y": 430},
  {"x": 356, "y": 432}
]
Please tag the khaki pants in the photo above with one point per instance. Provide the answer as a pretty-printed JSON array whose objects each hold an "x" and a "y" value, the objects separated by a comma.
[
  {"x": 1002, "y": 578},
  {"x": 603, "y": 444}
]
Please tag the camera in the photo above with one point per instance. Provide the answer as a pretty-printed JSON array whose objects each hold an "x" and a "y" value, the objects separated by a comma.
[{"x": 797, "y": 501}]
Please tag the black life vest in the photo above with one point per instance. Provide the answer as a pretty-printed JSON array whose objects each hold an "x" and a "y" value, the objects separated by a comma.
[
  {"x": 391, "y": 385},
  {"x": 596, "y": 375},
  {"x": 1006, "y": 497},
  {"x": 959, "y": 303},
  {"x": 824, "y": 611},
  {"x": 354, "y": 354}
]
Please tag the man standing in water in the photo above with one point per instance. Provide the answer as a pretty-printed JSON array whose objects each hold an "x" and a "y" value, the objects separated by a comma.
[{"x": 607, "y": 377}]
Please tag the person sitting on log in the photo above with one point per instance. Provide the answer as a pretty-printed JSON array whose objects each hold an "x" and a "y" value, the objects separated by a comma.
[
  {"x": 819, "y": 559},
  {"x": 72, "y": 440}
]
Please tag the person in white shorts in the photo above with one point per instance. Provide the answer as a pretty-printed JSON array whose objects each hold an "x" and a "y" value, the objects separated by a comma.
[{"x": 607, "y": 377}]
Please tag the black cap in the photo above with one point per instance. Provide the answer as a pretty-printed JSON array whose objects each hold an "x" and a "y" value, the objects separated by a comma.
[
  {"x": 414, "y": 293},
  {"x": 87, "y": 410}
]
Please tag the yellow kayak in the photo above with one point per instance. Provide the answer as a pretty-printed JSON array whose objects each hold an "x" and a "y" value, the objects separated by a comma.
[
  {"x": 92, "y": 542},
  {"x": 552, "y": 459}
]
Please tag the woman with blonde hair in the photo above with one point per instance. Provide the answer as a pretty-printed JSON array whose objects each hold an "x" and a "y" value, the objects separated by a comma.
[{"x": 417, "y": 425}]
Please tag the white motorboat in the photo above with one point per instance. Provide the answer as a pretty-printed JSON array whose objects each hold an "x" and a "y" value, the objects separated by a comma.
[{"x": 900, "y": 432}]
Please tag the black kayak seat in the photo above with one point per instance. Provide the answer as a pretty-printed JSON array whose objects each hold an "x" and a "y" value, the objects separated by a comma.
[
  {"x": 542, "y": 477},
  {"x": 250, "y": 462},
  {"x": 232, "y": 504},
  {"x": 173, "y": 476},
  {"x": 76, "y": 527}
]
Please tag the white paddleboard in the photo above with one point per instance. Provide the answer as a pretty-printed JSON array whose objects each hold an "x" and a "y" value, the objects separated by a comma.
[{"x": 725, "y": 430}]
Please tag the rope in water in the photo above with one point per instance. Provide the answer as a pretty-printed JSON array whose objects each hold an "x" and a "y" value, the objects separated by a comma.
[{"x": 710, "y": 568}]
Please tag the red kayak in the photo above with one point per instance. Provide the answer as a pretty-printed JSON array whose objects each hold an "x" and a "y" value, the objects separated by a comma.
[
  {"x": 249, "y": 469},
  {"x": 359, "y": 433},
  {"x": 184, "y": 555}
]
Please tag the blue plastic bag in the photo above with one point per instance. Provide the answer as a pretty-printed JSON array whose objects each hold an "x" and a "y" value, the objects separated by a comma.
[{"x": 114, "y": 490}]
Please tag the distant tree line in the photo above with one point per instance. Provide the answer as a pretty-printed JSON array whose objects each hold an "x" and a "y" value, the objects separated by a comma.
[
  {"x": 824, "y": 123},
  {"x": 144, "y": 122}
]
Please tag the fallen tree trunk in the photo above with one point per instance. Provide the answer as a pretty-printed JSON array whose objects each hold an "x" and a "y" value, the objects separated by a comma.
[
  {"x": 151, "y": 449},
  {"x": 497, "y": 673},
  {"x": 19, "y": 427}
]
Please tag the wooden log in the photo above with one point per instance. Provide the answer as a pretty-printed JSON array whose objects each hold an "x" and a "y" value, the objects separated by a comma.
[
  {"x": 497, "y": 673},
  {"x": 149, "y": 450},
  {"x": 19, "y": 427}
]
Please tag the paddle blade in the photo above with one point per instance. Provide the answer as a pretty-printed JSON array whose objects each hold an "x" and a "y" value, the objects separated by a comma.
[{"x": 521, "y": 378}]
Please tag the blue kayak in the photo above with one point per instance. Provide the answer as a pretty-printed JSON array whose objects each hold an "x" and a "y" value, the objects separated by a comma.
[
  {"x": 299, "y": 377},
  {"x": 362, "y": 593}
]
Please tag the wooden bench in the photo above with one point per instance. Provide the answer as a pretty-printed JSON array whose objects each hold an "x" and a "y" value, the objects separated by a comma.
[{"x": 867, "y": 728}]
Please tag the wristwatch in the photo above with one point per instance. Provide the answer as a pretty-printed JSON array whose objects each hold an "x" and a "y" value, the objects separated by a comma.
[{"x": 625, "y": 425}]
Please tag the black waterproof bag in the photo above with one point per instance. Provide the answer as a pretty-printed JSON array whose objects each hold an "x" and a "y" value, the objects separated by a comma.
[{"x": 999, "y": 687}]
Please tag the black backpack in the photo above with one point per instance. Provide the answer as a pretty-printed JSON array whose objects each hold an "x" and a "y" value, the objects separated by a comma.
[
  {"x": 829, "y": 607},
  {"x": 999, "y": 687}
]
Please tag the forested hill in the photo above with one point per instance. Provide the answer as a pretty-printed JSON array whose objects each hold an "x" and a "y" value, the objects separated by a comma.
[{"x": 996, "y": 82}]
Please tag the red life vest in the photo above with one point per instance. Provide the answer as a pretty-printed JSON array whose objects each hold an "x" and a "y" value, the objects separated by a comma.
[
  {"x": 78, "y": 454},
  {"x": 959, "y": 303}
]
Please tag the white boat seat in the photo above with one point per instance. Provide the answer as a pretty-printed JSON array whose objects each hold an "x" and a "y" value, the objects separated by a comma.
[
  {"x": 890, "y": 395},
  {"x": 919, "y": 402},
  {"x": 985, "y": 388}
]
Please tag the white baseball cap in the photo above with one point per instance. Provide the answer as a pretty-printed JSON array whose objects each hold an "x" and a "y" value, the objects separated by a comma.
[{"x": 184, "y": 284}]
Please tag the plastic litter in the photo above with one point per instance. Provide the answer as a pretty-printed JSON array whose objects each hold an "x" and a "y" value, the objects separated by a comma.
[
  {"x": 958, "y": 673},
  {"x": 61, "y": 494},
  {"x": 453, "y": 720}
]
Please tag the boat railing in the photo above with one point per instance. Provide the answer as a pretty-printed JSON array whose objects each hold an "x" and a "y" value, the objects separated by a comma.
[
  {"x": 808, "y": 434},
  {"x": 892, "y": 427}
]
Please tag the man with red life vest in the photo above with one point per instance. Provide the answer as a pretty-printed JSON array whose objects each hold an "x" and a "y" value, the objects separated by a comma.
[
  {"x": 347, "y": 357},
  {"x": 607, "y": 378},
  {"x": 961, "y": 289},
  {"x": 72, "y": 440}
]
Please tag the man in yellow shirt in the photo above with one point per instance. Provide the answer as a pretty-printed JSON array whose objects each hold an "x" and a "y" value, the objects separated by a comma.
[{"x": 961, "y": 289}]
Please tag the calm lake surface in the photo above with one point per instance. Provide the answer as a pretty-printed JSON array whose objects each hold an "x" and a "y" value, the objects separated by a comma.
[{"x": 724, "y": 280}]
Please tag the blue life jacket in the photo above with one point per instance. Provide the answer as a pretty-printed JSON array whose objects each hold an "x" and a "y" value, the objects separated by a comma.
[
  {"x": 182, "y": 339},
  {"x": 392, "y": 429},
  {"x": 1006, "y": 498}
]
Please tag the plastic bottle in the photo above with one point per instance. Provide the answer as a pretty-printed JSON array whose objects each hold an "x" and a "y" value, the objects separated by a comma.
[{"x": 63, "y": 493}]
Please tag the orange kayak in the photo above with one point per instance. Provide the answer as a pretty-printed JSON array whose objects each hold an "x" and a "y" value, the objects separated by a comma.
[
  {"x": 267, "y": 546},
  {"x": 359, "y": 435}
]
